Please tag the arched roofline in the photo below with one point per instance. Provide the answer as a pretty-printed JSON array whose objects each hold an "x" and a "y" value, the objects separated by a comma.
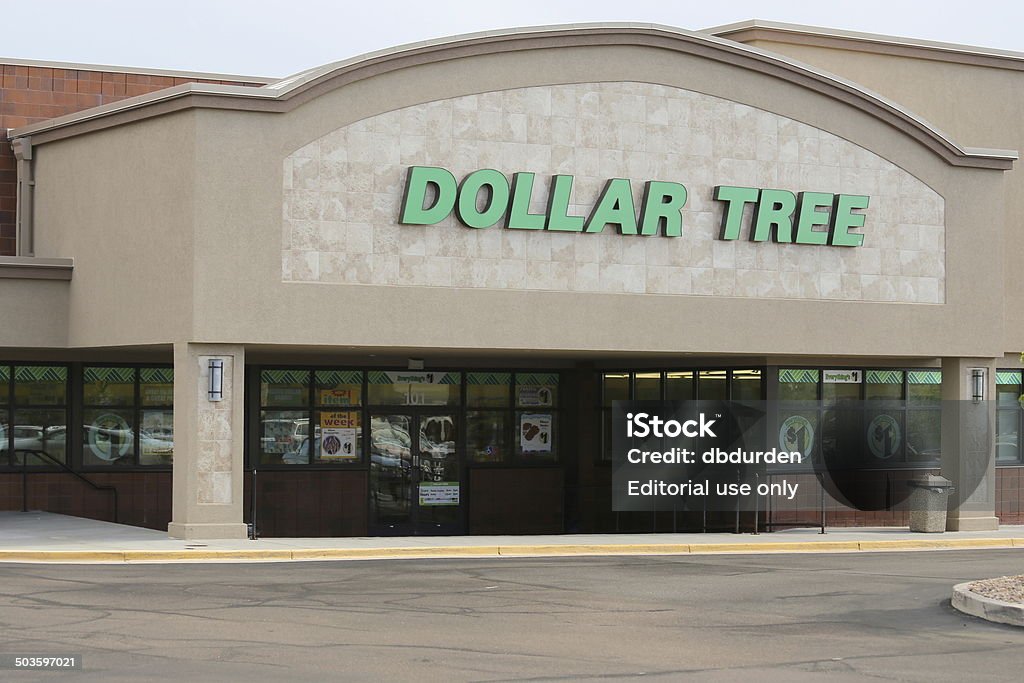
[{"x": 290, "y": 92}]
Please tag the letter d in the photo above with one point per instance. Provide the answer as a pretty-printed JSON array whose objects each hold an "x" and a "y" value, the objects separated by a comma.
[{"x": 416, "y": 182}]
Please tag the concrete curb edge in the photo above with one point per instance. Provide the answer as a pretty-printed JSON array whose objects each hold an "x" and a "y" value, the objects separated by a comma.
[
  {"x": 969, "y": 602},
  {"x": 551, "y": 550}
]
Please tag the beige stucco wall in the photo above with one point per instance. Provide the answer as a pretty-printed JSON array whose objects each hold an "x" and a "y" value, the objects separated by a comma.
[
  {"x": 975, "y": 105},
  {"x": 33, "y": 313},
  {"x": 223, "y": 171},
  {"x": 119, "y": 202}
]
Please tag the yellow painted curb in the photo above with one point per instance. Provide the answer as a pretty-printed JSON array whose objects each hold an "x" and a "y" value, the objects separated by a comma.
[
  {"x": 550, "y": 550},
  {"x": 357, "y": 553},
  {"x": 770, "y": 547},
  {"x": 595, "y": 549},
  {"x": 62, "y": 556},
  {"x": 938, "y": 543},
  {"x": 174, "y": 555}
]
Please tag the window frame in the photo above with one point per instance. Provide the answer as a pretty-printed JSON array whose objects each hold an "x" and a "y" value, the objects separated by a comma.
[
  {"x": 603, "y": 453},
  {"x": 255, "y": 407},
  {"x": 137, "y": 410},
  {"x": 10, "y": 408},
  {"x": 903, "y": 406},
  {"x": 1018, "y": 409}
]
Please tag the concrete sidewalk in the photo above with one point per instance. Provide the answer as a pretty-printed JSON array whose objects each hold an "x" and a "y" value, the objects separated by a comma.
[{"x": 46, "y": 537}]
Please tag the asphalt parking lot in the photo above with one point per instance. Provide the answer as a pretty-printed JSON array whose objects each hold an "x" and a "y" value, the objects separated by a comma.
[{"x": 706, "y": 618}]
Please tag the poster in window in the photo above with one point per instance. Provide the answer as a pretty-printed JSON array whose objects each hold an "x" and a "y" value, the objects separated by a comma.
[
  {"x": 884, "y": 436},
  {"x": 157, "y": 394},
  {"x": 338, "y": 435},
  {"x": 535, "y": 432},
  {"x": 439, "y": 493},
  {"x": 535, "y": 396},
  {"x": 337, "y": 397},
  {"x": 109, "y": 437}
]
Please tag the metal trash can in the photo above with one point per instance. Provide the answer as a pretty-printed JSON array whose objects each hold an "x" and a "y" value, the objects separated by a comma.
[{"x": 928, "y": 503}]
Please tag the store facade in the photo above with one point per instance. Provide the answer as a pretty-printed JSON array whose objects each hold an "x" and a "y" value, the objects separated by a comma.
[{"x": 398, "y": 294}]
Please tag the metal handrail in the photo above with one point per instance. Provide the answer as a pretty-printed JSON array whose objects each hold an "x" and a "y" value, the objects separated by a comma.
[{"x": 63, "y": 466}]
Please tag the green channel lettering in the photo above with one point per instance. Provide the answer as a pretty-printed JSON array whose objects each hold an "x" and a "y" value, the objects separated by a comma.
[
  {"x": 735, "y": 198},
  {"x": 519, "y": 216},
  {"x": 485, "y": 197},
  {"x": 773, "y": 218},
  {"x": 615, "y": 207},
  {"x": 558, "y": 206},
  {"x": 496, "y": 204},
  {"x": 662, "y": 200},
  {"x": 843, "y": 219},
  {"x": 809, "y": 217},
  {"x": 418, "y": 179}
]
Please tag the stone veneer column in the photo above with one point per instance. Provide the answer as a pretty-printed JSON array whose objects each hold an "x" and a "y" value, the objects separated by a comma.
[
  {"x": 208, "y": 440},
  {"x": 968, "y": 445}
]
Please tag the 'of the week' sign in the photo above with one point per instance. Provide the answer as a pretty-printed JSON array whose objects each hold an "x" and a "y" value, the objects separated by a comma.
[{"x": 484, "y": 198}]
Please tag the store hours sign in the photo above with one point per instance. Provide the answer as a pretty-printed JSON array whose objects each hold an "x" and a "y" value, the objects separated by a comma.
[{"x": 485, "y": 198}]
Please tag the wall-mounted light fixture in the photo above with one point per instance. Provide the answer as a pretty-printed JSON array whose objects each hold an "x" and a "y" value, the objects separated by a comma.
[
  {"x": 978, "y": 381},
  {"x": 216, "y": 392}
]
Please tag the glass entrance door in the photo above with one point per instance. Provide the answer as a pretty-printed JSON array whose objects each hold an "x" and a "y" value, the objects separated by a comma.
[{"x": 415, "y": 474}]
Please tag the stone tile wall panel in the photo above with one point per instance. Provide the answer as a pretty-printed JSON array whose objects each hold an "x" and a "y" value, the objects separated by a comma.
[{"x": 343, "y": 192}]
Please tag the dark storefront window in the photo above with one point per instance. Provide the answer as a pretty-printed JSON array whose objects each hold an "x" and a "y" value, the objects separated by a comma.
[
  {"x": 33, "y": 413},
  {"x": 884, "y": 418},
  {"x": 800, "y": 412},
  {"x": 536, "y": 417},
  {"x": 488, "y": 400},
  {"x": 396, "y": 388},
  {"x": 284, "y": 417},
  {"x": 127, "y": 416},
  {"x": 5, "y": 417},
  {"x": 509, "y": 417},
  {"x": 673, "y": 385},
  {"x": 679, "y": 385},
  {"x": 745, "y": 385},
  {"x": 898, "y": 412},
  {"x": 713, "y": 385},
  {"x": 924, "y": 415},
  {"x": 337, "y": 436},
  {"x": 1008, "y": 417}
]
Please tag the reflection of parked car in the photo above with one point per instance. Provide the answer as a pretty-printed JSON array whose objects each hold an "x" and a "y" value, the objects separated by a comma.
[
  {"x": 108, "y": 444},
  {"x": 114, "y": 444},
  {"x": 437, "y": 446},
  {"x": 155, "y": 448},
  {"x": 390, "y": 456},
  {"x": 26, "y": 437},
  {"x": 105, "y": 444},
  {"x": 1007, "y": 446},
  {"x": 282, "y": 435},
  {"x": 52, "y": 440},
  {"x": 299, "y": 456}
]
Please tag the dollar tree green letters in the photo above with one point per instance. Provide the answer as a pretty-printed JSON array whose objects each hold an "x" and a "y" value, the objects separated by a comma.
[
  {"x": 775, "y": 210},
  {"x": 485, "y": 198}
]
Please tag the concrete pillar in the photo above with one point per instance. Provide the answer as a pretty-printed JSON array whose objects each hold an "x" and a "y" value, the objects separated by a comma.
[
  {"x": 208, "y": 440},
  {"x": 968, "y": 445}
]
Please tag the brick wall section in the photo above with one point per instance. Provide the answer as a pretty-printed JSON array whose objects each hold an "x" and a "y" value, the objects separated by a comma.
[
  {"x": 1010, "y": 495},
  {"x": 29, "y": 94},
  {"x": 144, "y": 498},
  {"x": 334, "y": 503}
]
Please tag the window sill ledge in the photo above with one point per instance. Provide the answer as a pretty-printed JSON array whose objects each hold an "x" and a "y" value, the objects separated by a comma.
[{"x": 33, "y": 268}]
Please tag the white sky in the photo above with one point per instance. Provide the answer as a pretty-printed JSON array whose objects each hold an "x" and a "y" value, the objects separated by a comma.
[{"x": 275, "y": 38}]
